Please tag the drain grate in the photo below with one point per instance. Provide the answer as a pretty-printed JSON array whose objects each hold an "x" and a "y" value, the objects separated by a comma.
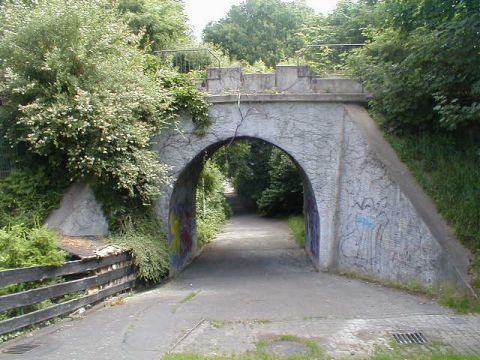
[
  {"x": 20, "y": 349},
  {"x": 410, "y": 338}
]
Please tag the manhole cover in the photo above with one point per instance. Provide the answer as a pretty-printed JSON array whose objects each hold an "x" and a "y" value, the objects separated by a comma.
[{"x": 286, "y": 348}]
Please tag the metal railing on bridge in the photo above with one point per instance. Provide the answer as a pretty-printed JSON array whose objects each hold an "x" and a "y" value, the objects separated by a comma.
[
  {"x": 326, "y": 60},
  {"x": 195, "y": 61}
]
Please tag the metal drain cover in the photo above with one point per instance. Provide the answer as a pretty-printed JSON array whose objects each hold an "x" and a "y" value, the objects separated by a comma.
[
  {"x": 410, "y": 338},
  {"x": 20, "y": 348},
  {"x": 287, "y": 348}
]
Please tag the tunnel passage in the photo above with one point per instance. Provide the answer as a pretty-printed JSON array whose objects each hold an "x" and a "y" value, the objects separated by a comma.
[{"x": 182, "y": 209}]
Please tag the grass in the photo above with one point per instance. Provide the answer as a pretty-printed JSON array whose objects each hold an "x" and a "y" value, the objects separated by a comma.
[
  {"x": 394, "y": 352},
  {"x": 297, "y": 226},
  {"x": 144, "y": 236},
  {"x": 262, "y": 356},
  {"x": 189, "y": 296},
  {"x": 260, "y": 353}
]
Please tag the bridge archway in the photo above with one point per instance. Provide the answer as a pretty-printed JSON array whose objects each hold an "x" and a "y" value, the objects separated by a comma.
[
  {"x": 364, "y": 214},
  {"x": 182, "y": 229},
  {"x": 310, "y": 132}
]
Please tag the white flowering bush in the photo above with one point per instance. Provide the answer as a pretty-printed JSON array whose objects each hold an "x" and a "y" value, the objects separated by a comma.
[{"x": 80, "y": 94}]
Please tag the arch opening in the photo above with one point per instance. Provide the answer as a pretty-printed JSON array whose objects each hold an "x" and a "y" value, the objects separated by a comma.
[{"x": 182, "y": 219}]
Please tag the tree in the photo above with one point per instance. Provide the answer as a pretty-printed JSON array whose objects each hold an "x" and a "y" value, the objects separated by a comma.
[
  {"x": 423, "y": 64},
  {"x": 160, "y": 23},
  {"x": 266, "y": 30},
  {"x": 284, "y": 193},
  {"x": 79, "y": 93}
]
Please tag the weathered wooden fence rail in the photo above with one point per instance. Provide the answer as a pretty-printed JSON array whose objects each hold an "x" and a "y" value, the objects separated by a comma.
[{"x": 102, "y": 277}]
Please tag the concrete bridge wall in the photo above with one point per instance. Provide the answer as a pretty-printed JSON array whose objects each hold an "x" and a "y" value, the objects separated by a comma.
[{"x": 364, "y": 211}]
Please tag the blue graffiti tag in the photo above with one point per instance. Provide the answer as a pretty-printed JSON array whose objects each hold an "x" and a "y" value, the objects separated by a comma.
[{"x": 365, "y": 221}]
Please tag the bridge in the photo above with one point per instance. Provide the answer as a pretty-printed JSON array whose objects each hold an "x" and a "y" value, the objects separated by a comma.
[
  {"x": 364, "y": 214},
  {"x": 364, "y": 211}
]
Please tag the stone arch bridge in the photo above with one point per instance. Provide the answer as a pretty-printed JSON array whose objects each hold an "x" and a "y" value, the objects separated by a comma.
[{"x": 364, "y": 211}]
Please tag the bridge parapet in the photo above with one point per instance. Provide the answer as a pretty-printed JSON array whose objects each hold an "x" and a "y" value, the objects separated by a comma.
[{"x": 287, "y": 79}]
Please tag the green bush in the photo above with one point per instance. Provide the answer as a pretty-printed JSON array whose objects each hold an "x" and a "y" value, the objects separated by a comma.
[
  {"x": 27, "y": 196},
  {"x": 422, "y": 64},
  {"x": 23, "y": 247},
  {"x": 144, "y": 236},
  {"x": 78, "y": 92},
  {"x": 284, "y": 193},
  {"x": 297, "y": 226},
  {"x": 212, "y": 207},
  {"x": 161, "y": 24},
  {"x": 20, "y": 247}
]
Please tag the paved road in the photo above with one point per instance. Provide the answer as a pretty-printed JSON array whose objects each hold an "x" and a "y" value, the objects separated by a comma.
[{"x": 251, "y": 283}]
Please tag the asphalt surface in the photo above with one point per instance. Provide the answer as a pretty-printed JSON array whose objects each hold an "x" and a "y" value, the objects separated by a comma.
[{"x": 252, "y": 282}]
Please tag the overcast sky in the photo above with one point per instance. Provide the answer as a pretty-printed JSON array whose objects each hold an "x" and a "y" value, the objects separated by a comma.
[{"x": 201, "y": 12}]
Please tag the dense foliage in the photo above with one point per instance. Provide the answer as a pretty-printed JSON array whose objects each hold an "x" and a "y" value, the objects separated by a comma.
[
  {"x": 27, "y": 196},
  {"x": 267, "y": 30},
  {"x": 144, "y": 236},
  {"x": 264, "y": 176},
  {"x": 422, "y": 63},
  {"x": 284, "y": 193},
  {"x": 22, "y": 247},
  {"x": 161, "y": 23},
  {"x": 448, "y": 167},
  {"x": 78, "y": 92},
  {"x": 81, "y": 95},
  {"x": 212, "y": 207}
]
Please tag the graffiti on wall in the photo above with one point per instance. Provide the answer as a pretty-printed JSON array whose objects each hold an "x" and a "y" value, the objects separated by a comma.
[
  {"x": 181, "y": 232},
  {"x": 312, "y": 234},
  {"x": 379, "y": 231},
  {"x": 362, "y": 234}
]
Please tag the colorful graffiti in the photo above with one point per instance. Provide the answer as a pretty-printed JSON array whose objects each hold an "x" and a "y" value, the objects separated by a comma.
[{"x": 181, "y": 232}]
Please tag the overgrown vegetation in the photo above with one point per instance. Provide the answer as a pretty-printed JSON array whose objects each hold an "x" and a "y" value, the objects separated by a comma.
[
  {"x": 212, "y": 207},
  {"x": 23, "y": 247},
  {"x": 264, "y": 176},
  {"x": 297, "y": 226},
  {"x": 284, "y": 193},
  {"x": 421, "y": 64},
  {"x": 27, "y": 196},
  {"x": 408, "y": 57},
  {"x": 145, "y": 237},
  {"x": 81, "y": 96},
  {"x": 160, "y": 24},
  {"x": 267, "y": 30},
  {"x": 448, "y": 167}
]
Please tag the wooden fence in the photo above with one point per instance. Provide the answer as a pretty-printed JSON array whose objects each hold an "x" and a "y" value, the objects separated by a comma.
[{"x": 102, "y": 277}]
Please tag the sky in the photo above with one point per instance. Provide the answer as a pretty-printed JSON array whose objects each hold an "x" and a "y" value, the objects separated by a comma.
[{"x": 201, "y": 12}]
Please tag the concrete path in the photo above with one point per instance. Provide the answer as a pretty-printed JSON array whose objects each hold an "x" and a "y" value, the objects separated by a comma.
[{"x": 253, "y": 282}]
